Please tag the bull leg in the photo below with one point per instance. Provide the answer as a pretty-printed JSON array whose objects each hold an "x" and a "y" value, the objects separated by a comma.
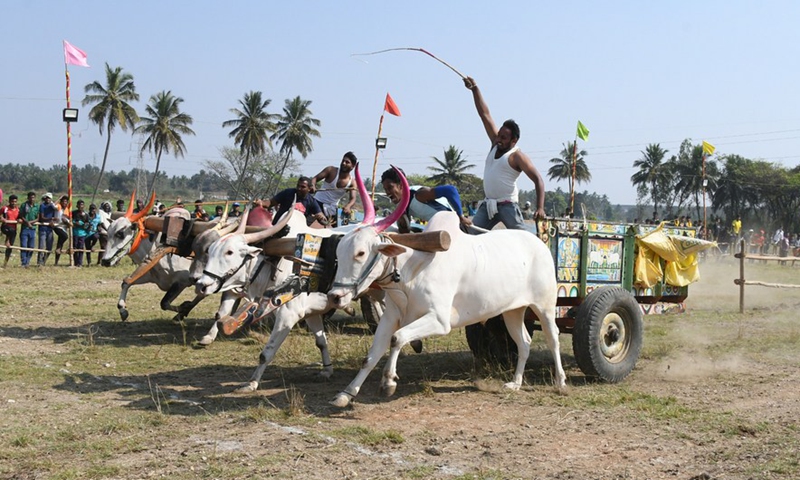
[
  {"x": 121, "y": 303},
  {"x": 225, "y": 308},
  {"x": 169, "y": 297},
  {"x": 314, "y": 322},
  {"x": 285, "y": 319},
  {"x": 428, "y": 325},
  {"x": 380, "y": 343},
  {"x": 515, "y": 323},
  {"x": 547, "y": 318}
]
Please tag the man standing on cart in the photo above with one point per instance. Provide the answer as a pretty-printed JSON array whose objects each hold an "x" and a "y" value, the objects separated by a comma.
[{"x": 503, "y": 165}]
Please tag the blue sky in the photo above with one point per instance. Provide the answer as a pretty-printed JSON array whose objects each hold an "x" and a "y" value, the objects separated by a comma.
[{"x": 633, "y": 72}]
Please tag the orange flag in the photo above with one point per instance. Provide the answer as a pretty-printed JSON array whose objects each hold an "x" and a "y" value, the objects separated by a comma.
[{"x": 391, "y": 107}]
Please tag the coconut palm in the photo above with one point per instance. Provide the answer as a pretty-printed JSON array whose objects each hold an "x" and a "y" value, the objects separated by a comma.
[
  {"x": 295, "y": 129},
  {"x": 164, "y": 127},
  {"x": 569, "y": 161},
  {"x": 252, "y": 126},
  {"x": 653, "y": 171},
  {"x": 111, "y": 107},
  {"x": 450, "y": 170}
]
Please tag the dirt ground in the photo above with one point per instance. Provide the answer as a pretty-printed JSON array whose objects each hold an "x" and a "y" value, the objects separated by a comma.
[{"x": 682, "y": 415}]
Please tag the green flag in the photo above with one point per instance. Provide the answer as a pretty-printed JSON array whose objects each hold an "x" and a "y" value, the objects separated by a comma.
[{"x": 583, "y": 132}]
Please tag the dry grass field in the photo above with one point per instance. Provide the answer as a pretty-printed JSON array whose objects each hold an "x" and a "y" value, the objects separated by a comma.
[{"x": 716, "y": 395}]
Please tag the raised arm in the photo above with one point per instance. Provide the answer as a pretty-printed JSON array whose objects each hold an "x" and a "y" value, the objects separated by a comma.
[
  {"x": 483, "y": 109},
  {"x": 519, "y": 161},
  {"x": 327, "y": 174}
]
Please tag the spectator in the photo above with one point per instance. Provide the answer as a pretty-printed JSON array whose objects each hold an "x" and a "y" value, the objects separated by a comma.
[
  {"x": 47, "y": 215},
  {"x": 777, "y": 238},
  {"x": 8, "y": 217},
  {"x": 472, "y": 208},
  {"x": 527, "y": 212},
  {"x": 93, "y": 233},
  {"x": 28, "y": 214},
  {"x": 102, "y": 228},
  {"x": 61, "y": 225},
  {"x": 199, "y": 212},
  {"x": 235, "y": 212},
  {"x": 121, "y": 205},
  {"x": 218, "y": 211},
  {"x": 80, "y": 229}
]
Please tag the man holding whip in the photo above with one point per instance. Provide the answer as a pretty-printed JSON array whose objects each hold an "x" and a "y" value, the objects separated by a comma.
[{"x": 503, "y": 165}]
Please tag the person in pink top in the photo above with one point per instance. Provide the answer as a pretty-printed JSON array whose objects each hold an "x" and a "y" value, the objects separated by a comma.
[{"x": 503, "y": 165}]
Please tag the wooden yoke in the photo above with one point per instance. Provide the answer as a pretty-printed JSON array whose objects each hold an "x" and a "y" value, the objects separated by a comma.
[
  {"x": 425, "y": 242},
  {"x": 156, "y": 224},
  {"x": 148, "y": 264}
]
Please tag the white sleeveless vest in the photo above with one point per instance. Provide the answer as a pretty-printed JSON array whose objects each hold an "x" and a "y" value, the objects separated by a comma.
[{"x": 499, "y": 179}]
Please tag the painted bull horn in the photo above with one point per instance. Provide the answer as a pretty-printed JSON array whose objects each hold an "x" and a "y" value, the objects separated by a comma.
[
  {"x": 257, "y": 237},
  {"x": 129, "y": 213},
  {"x": 366, "y": 201},
  {"x": 401, "y": 207}
]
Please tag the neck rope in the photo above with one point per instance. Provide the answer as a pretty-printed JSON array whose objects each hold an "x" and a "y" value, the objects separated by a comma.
[{"x": 367, "y": 271}]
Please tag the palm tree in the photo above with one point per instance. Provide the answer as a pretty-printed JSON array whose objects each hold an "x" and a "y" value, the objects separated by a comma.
[
  {"x": 452, "y": 169},
  {"x": 164, "y": 127},
  {"x": 251, "y": 128},
  {"x": 564, "y": 164},
  {"x": 112, "y": 107},
  {"x": 652, "y": 171},
  {"x": 295, "y": 129}
]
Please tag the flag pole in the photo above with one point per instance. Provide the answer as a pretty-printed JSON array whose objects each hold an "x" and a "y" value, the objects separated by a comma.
[
  {"x": 572, "y": 185},
  {"x": 69, "y": 172},
  {"x": 377, "y": 151},
  {"x": 705, "y": 222}
]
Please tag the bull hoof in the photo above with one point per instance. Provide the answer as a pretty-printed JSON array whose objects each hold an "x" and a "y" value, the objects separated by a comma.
[
  {"x": 326, "y": 374},
  {"x": 206, "y": 341},
  {"x": 249, "y": 387},
  {"x": 417, "y": 346},
  {"x": 511, "y": 386},
  {"x": 387, "y": 390},
  {"x": 123, "y": 314},
  {"x": 177, "y": 318},
  {"x": 341, "y": 401}
]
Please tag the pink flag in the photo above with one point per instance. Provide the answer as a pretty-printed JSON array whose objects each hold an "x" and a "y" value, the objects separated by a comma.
[{"x": 74, "y": 55}]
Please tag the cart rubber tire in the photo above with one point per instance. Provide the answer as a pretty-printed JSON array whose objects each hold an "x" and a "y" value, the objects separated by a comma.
[
  {"x": 607, "y": 338},
  {"x": 491, "y": 344}
]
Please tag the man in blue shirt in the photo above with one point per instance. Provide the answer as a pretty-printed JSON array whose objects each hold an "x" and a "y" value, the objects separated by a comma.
[
  {"x": 306, "y": 203},
  {"x": 28, "y": 215},
  {"x": 424, "y": 202},
  {"x": 47, "y": 217}
]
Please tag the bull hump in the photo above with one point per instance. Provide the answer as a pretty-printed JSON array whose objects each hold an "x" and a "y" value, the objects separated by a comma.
[{"x": 259, "y": 217}]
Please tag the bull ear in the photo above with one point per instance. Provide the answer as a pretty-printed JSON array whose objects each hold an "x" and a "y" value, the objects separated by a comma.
[{"x": 390, "y": 249}]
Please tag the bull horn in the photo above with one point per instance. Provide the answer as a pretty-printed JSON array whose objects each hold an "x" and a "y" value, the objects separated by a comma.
[
  {"x": 366, "y": 201},
  {"x": 243, "y": 220},
  {"x": 129, "y": 213},
  {"x": 257, "y": 237},
  {"x": 401, "y": 207},
  {"x": 142, "y": 213}
]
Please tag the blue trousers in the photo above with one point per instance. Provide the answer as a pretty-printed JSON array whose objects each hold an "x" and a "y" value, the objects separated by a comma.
[
  {"x": 27, "y": 239},
  {"x": 45, "y": 243}
]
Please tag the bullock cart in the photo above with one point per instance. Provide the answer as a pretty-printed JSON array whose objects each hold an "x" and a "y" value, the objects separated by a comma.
[{"x": 599, "y": 302}]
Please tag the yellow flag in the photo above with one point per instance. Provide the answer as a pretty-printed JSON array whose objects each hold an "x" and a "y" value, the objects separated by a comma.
[{"x": 708, "y": 149}]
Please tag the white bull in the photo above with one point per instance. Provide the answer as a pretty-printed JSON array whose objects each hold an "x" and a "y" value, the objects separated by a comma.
[
  {"x": 478, "y": 277},
  {"x": 127, "y": 236}
]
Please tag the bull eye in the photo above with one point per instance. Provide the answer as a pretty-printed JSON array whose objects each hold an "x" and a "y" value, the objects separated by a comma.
[
  {"x": 360, "y": 254},
  {"x": 120, "y": 235},
  {"x": 229, "y": 252}
]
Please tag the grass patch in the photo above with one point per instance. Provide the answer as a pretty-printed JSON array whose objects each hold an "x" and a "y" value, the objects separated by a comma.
[{"x": 368, "y": 436}]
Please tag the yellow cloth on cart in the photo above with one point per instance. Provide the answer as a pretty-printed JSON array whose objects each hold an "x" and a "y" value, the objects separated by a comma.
[{"x": 680, "y": 254}]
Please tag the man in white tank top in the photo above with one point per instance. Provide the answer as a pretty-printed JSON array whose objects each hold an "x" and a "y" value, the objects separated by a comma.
[
  {"x": 336, "y": 182},
  {"x": 503, "y": 165}
]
